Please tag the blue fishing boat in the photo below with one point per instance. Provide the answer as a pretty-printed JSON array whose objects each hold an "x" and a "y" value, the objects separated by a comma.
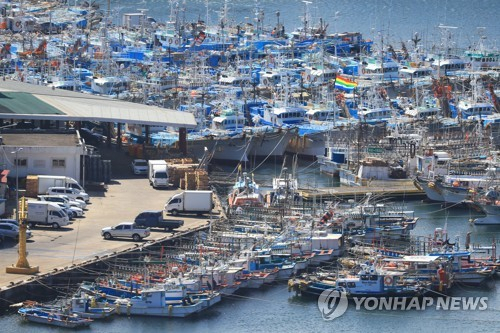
[
  {"x": 370, "y": 281},
  {"x": 52, "y": 317}
]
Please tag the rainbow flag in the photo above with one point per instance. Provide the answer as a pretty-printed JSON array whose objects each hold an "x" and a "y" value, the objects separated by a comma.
[{"x": 345, "y": 84}]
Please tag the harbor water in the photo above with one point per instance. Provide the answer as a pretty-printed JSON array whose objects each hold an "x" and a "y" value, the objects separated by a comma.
[{"x": 396, "y": 21}]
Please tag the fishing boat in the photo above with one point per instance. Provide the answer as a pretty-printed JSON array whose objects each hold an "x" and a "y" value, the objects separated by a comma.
[
  {"x": 489, "y": 203},
  {"x": 86, "y": 307},
  {"x": 245, "y": 193},
  {"x": 269, "y": 141},
  {"x": 370, "y": 281},
  {"x": 278, "y": 115},
  {"x": 48, "y": 317},
  {"x": 481, "y": 56},
  {"x": 152, "y": 302},
  {"x": 310, "y": 140},
  {"x": 466, "y": 271},
  {"x": 220, "y": 145},
  {"x": 387, "y": 70}
]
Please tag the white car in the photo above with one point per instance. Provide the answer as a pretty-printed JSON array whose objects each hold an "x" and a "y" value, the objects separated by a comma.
[
  {"x": 71, "y": 193},
  {"x": 139, "y": 167},
  {"x": 78, "y": 212},
  {"x": 126, "y": 230},
  {"x": 64, "y": 199}
]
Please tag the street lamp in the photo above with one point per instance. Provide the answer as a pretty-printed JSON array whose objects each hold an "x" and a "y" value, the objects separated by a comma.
[
  {"x": 17, "y": 182},
  {"x": 22, "y": 266}
]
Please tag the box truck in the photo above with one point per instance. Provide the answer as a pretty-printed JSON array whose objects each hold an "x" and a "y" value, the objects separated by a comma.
[
  {"x": 39, "y": 184},
  {"x": 195, "y": 202},
  {"x": 46, "y": 213},
  {"x": 158, "y": 173}
]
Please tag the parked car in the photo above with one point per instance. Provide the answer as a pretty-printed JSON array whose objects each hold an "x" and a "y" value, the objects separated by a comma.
[
  {"x": 11, "y": 221},
  {"x": 9, "y": 230},
  {"x": 72, "y": 211},
  {"x": 71, "y": 193},
  {"x": 139, "y": 167},
  {"x": 125, "y": 230},
  {"x": 64, "y": 199}
]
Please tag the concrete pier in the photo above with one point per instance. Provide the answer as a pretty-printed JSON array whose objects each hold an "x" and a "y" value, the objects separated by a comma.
[{"x": 58, "y": 252}]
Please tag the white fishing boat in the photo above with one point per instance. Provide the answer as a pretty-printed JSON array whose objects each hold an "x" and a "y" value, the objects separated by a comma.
[
  {"x": 87, "y": 307},
  {"x": 154, "y": 302},
  {"x": 110, "y": 85},
  {"x": 285, "y": 188}
]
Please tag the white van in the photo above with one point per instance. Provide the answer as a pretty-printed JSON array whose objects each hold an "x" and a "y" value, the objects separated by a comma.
[{"x": 71, "y": 193}]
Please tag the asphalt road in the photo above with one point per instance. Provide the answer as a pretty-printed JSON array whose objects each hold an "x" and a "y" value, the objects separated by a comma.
[{"x": 126, "y": 196}]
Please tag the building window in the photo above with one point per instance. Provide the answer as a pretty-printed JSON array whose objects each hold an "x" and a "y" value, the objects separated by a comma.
[
  {"x": 21, "y": 162},
  {"x": 58, "y": 163},
  {"x": 39, "y": 163}
]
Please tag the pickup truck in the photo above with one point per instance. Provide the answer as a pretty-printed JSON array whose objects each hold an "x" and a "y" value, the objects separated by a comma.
[
  {"x": 154, "y": 219},
  {"x": 125, "y": 230}
]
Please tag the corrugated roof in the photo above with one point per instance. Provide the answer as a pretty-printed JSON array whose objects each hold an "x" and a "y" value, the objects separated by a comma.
[{"x": 27, "y": 101}]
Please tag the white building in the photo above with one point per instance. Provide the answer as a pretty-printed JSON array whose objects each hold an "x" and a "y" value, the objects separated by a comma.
[{"x": 48, "y": 153}]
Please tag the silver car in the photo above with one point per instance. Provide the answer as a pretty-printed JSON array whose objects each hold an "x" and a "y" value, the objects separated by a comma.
[
  {"x": 139, "y": 167},
  {"x": 9, "y": 230}
]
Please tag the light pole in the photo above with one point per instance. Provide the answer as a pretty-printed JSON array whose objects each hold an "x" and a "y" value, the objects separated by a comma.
[
  {"x": 17, "y": 182},
  {"x": 22, "y": 266}
]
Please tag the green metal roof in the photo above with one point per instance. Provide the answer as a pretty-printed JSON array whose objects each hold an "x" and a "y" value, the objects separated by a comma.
[{"x": 24, "y": 103}]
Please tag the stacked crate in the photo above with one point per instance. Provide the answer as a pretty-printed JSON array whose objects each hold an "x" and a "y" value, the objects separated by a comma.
[
  {"x": 31, "y": 186},
  {"x": 184, "y": 160},
  {"x": 177, "y": 173},
  {"x": 202, "y": 180},
  {"x": 190, "y": 180}
]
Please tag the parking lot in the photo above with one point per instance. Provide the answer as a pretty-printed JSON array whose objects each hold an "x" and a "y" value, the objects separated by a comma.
[{"x": 126, "y": 196}]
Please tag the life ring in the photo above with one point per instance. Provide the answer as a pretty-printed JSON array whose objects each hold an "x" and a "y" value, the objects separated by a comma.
[
  {"x": 308, "y": 77},
  {"x": 265, "y": 81},
  {"x": 388, "y": 280},
  {"x": 363, "y": 71},
  {"x": 49, "y": 318},
  {"x": 18, "y": 24},
  {"x": 176, "y": 41},
  {"x": 315, "y": 79},
  {"x": 170, "y": 40}
]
